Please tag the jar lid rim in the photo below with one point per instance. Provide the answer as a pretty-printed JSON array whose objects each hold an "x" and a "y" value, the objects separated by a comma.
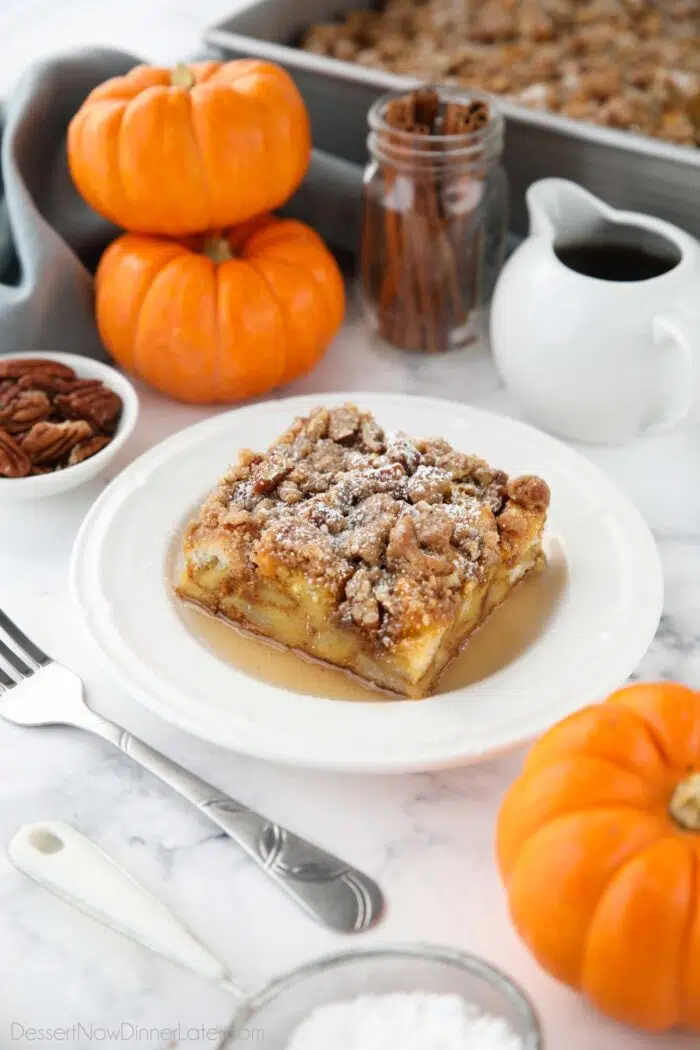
[{"x": 492, "y": 129}]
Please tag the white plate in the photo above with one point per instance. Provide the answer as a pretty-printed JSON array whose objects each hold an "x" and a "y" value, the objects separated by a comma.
[{"x": 595, "y": 636}]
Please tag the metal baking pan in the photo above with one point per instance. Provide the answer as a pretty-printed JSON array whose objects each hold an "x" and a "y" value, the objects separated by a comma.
[{"x": 627, "y": 170}]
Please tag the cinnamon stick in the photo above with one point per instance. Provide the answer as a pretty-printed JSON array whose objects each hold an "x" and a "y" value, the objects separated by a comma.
[
  {"x": 396, "y": 325},
  {"x": 466, "y": 118},
  {"x": 418, "y": 230},
  {"x": 414, "y": 250}
]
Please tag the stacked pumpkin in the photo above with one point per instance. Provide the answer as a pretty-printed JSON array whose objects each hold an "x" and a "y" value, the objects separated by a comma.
[{"x": 207, "y": 297}]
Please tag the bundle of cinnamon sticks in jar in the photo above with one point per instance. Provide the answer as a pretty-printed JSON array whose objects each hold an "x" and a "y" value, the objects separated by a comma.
[{"x": 423, "y": 242}]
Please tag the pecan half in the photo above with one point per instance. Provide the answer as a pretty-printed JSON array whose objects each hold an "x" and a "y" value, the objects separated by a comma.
[
  {"x": 90, "y": 447},
  {"x": 14, "y": 461},
  {"x": 52, "y": 384},
  {"x": 15, "y": 368},
  {"x": 98, "y": 405},
  {"x": 24, "y": 408},
  {"x": 344, "y": 422},
  {"x": 47, "y": 443},
  {"x": 267, "y": 474}
]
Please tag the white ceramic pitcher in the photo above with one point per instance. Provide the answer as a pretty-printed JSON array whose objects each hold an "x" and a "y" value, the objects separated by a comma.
[{"x": 591, "y": 359}]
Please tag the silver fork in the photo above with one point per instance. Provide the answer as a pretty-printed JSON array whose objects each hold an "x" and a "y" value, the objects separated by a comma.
[{"x": 37, "y": 691}]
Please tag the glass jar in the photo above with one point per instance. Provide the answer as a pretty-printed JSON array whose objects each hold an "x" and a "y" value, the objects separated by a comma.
[
  {"x": 276, "y": 1012},
  {"x": 435, "y": 220}
]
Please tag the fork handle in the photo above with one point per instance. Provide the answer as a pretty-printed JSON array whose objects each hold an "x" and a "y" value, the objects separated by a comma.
[{"x": 327, "y": 888}]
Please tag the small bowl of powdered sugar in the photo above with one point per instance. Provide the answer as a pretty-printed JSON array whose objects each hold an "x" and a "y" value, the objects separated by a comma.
[{"x": 400, "y": 998}]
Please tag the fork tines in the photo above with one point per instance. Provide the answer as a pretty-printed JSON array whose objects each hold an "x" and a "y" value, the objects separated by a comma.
[{"x": 19, "y": 657}]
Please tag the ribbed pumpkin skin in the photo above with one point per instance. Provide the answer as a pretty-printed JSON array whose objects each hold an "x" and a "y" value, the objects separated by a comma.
[
  {"x": 603, "y": 883},
  {"x": 207, "y": 332},
  {"x": 157, "y": 158}
]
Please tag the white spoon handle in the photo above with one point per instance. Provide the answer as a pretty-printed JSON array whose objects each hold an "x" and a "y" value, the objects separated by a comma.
[{"x": 62, "y": 860}]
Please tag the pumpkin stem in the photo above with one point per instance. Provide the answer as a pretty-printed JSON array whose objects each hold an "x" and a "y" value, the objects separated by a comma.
[
  {"x": 217, "y": 248},
  {"x": 182, "y": 76},
  {"x": 685, "y": 804}
]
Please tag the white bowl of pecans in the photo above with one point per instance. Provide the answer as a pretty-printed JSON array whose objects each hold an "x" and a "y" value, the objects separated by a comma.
[{"x": 63, "y": 419}]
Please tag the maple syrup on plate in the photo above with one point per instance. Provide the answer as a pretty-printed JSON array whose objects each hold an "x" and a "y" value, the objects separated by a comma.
[{"x": 508, "y": 632}]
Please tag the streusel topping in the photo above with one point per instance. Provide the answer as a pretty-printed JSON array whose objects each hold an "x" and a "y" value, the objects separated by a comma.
[
  {"x": 630, "y": 64},
  {"x": 393, "y": 528}
]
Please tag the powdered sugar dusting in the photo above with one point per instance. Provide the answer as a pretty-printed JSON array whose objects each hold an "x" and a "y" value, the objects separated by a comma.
[{"x": 404, "y": 1021}]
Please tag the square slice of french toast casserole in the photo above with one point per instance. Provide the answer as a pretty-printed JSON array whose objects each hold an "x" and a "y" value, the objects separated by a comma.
[{"x": 374, "y": 552}]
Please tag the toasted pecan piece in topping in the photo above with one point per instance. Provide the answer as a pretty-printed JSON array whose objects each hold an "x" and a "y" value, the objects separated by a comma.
[
  {"x": 327, "y": 457},
  {"x": 343, "y": 424},
  {"x": 371, "y": 435},
  {"x": 429, "y": 485},
  {"x": 433, "y": 450},
  {"x": 323, "y": 513},
  {"x": 309, "y": 480},
  {"x": 317, "y": 425},
  {"x": 367, "y": 530},
  {"x": 267, "y": 474},
  {"x": 404, "y": 552},
  {"x": 434, "y": 527},
  {"x": 289, "y": 493},
  {"x": 14, "y": 461},
  {"x": 358, "y": 485},
  {"x": 497, "y": 491},
  {"x": 400, "y": 449},
  {"x": 47, "y": 443}
]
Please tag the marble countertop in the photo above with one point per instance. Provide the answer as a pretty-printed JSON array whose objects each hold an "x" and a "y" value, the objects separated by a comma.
[{"x": 426, "y": 838}]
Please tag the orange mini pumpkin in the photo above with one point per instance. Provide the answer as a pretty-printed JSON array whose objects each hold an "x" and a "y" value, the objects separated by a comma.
[
  {"x": 220, "y": 318},
  {"x": 196, "y": 148},
  {"x": 599, "y": 847}
]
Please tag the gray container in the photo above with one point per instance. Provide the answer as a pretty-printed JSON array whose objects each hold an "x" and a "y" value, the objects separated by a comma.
[{"x": 628, "y": 171}]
